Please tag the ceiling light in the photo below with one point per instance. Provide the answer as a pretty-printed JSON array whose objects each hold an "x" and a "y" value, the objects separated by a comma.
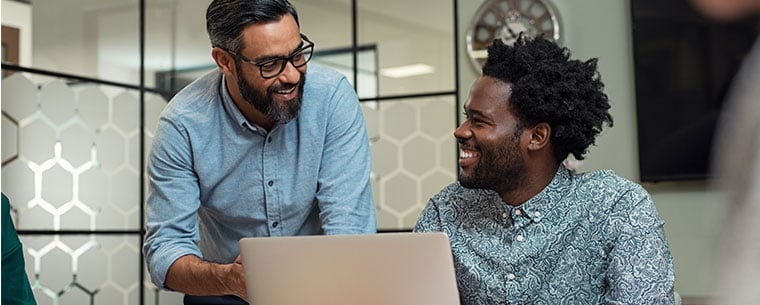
[{"x": 407, "y": 71}]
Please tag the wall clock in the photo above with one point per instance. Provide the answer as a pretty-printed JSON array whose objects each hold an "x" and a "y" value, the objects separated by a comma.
[{"x": 506, "y": 19}]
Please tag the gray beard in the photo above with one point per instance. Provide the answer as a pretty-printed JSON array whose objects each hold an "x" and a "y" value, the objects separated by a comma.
[{"x": 279, "y": 113}]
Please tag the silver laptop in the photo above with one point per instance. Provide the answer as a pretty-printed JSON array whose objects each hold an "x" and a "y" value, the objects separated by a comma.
[{"x": 378, "y": 269}]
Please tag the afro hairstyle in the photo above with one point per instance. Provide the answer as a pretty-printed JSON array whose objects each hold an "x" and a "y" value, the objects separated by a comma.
[{"x": 547, "y": 86}]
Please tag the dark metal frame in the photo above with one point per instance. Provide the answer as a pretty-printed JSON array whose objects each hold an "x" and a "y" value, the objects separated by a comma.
[{"x": 355, "y": 48}]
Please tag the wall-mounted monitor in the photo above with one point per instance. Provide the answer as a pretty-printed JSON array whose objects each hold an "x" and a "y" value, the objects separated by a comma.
[{"x": 683, "y": 64}]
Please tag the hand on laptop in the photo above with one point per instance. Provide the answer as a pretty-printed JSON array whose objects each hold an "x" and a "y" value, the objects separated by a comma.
[
  {"x": 193, "y": 276},
  {"x": 238, "y": 279}
]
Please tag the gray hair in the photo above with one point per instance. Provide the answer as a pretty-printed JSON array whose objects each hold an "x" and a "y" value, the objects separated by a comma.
[{"x": 226, "y": 19}]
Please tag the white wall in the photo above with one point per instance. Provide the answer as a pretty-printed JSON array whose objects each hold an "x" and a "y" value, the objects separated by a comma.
[{"x": 693, "y": 214}]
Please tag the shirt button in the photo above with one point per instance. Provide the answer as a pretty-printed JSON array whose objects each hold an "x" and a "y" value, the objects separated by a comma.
[
  {"x": 504, "y": 215},
  {"x": 518, "y": 212},
  {"x": 520, "y": 238},
  {"x": 511, "y": 276},
  {"x": 537, "y": 214},
  {"x": 275, "y": 224},
  {"x": 271, "y": 183}
]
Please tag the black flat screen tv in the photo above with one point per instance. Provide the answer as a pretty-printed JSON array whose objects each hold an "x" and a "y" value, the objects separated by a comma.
[{"x": 683, "y": 67}]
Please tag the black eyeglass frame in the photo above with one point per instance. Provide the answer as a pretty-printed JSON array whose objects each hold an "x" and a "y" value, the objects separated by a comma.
[{"x": 285, "y": 59}]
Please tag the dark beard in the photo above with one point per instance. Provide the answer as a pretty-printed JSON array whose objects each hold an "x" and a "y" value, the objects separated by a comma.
[
  {"x": 280, "y": 113},
  {"x": 502, "y": 172}
]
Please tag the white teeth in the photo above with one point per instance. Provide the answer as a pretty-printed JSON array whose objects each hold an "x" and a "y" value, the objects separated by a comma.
[
  {"x": 466, "y": 154},
  {"x": 286, "y": 91}
]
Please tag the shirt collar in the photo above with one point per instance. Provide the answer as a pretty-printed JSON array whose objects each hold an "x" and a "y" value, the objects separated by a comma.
[
  {"x": 540, "y": 205},
  {"x": 233, "y": 111}
]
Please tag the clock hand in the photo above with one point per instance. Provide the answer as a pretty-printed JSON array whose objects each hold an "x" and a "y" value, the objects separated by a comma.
[{"x": 511, "y": 32}]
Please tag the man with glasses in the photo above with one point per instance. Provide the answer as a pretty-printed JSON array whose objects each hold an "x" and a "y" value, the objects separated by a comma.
[{"x": 262, "y": 146}]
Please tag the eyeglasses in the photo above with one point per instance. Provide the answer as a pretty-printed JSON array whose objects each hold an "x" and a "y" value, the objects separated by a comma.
[{"x": 274, "y": 66}]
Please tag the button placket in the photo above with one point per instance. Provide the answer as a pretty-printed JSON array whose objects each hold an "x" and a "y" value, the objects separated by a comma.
[{"x": 270, "y": 176}]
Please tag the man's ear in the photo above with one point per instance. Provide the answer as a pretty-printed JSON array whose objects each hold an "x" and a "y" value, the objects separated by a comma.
[
  {"x": 224, "y": 61},
  {"x": 539, "y": 136}
]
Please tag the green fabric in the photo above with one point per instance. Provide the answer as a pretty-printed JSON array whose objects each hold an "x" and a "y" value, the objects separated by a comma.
[{"x": 15, "y": 284}]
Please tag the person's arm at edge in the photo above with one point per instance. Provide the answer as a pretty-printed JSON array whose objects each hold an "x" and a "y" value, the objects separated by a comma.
[
  {"x": 15, "y": 282},
  {"x": 345, "y": 196}
]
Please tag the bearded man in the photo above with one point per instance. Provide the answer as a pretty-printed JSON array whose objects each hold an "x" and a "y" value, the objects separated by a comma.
[
  {"x": 261, "y": 146},
  {"x": 524, "y": 229}
]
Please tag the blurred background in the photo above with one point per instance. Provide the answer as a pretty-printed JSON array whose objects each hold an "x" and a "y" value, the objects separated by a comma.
[{"x": 85, "y": 80}]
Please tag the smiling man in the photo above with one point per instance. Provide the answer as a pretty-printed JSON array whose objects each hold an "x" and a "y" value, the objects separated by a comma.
[
  {"x": 264, "y": 145},
  {"x": 523, "y": 228}
]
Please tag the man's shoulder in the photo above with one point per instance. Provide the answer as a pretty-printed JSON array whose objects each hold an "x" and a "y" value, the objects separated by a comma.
[
  {"x": 328, "y": 92},
  {"x": 456, "y": 195},
  {"x": 196, "y": 96},
  {"x": 605, "y": 179},
  {"x": 607, "y": 186},
  {"x": 454, "y": 189},
  {"x": 324, "y": 74},
  {"x": 323, "y": 78}
]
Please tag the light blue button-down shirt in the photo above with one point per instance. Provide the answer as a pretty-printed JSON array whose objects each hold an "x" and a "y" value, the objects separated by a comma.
[
  {"x": 592, "y": 238},
  {"x": 215, "y": 177}
]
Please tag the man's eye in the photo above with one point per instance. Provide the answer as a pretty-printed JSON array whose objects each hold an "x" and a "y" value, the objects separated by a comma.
[
  {"x": 476, "y": 121},
  {"x": 270, "y": 66}
]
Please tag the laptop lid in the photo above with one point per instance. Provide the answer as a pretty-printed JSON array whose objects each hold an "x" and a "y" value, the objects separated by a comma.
[{"x": 378, "y": 269}]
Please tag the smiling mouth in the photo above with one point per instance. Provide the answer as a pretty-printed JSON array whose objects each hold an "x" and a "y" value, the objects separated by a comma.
[
  {"x": 468, "y": 157},
  {"x": 287, "y": 93}
]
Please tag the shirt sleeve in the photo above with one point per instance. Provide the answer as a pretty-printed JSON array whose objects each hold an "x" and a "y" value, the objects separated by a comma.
[
  {"x": 15, "y": 283},
  {"x": 641, "y": 266},
  {"x": 429, "y": 220},
  {"x": 173, "y": 200},
  {"x": 344, "y": 193}
]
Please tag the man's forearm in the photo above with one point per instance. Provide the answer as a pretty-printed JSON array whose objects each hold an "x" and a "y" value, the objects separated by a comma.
[{"x": 191, "y": 275}]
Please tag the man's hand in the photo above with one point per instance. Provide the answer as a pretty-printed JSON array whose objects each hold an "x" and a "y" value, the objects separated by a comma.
[
  {"x": 238, "y": 279},
  {"x": 191, "y": 275}
]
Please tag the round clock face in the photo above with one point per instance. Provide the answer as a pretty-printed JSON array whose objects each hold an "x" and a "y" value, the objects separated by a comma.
[{"x": 506, "y": 19}]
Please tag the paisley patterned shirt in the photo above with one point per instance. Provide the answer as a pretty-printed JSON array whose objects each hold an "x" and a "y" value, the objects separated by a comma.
[{"x": 592, "y": 238}]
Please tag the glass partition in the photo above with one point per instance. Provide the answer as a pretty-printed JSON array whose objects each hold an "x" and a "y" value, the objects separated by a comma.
[
  {"x": 90, "y": 38},
  {"x": 77, "y": 121},
  {"x": 413, "y": 156},
  {"x": 415, "y": 44},
  {"x": 326, "y": 22},
  {"x": 71, "y": 168},
  {"x": 175, "y": 40}
]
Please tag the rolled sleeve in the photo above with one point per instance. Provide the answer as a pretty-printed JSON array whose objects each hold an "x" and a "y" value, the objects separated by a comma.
[{"x": 172, "y": 203}]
